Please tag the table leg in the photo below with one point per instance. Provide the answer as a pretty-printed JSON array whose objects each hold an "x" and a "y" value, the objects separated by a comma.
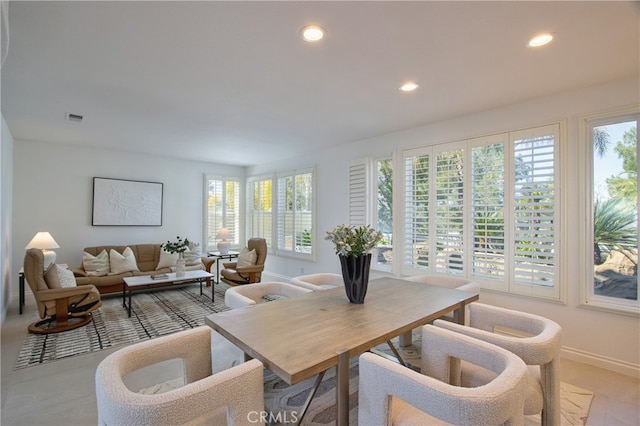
[
  {"x": 129, "y": 311},
  {"x": 21, "y": 290},
  {"x": 459, "y": 314},
  {"x": 218, "y": 270},
  {"x": 342, "y": 390},
  {"x": 124, "y": 297}
]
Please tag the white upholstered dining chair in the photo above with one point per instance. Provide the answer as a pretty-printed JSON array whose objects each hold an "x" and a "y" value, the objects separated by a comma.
[
  {"x": 535, "y": 339},
  {"x": 319, "y": 281},
  {"x": 252, "y": 294},
  {"x": 227, "y": 397},
  {"x": 390, "y": 393}
]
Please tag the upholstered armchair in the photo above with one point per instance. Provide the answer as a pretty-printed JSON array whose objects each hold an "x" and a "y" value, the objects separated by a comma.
[
  {"x": 60, "y": 308},
  {"x": 234, "y": 396},
  {"x": 390, "y": 393},
  {"x": 320, "y": 281},
  {"x": 535, "y": 339},
  {"x": 246, "y": 272},
  {"x": 252, "y": 294}
]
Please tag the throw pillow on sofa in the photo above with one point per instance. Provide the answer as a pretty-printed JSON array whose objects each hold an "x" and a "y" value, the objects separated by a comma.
[
  {"x": 167, "y": 260},
  {"x": 96, "y": 266},
  {"x": 121, "y": 263},
  {"x": 192, "y": 255}
]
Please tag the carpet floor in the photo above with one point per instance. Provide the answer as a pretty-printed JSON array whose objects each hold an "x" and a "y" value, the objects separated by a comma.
[{"x": 154, "y": 313}]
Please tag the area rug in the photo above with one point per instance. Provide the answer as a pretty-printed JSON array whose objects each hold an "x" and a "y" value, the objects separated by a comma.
[{"x": 154, "y": 313}]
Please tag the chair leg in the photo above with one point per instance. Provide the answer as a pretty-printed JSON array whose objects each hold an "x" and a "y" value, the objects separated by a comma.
[{"x": 76, "y": 322}]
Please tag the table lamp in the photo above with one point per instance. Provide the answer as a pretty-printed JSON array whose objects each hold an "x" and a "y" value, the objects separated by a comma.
[
  {"x": 44, "y": 241},
  {"x": 223, "y": 244}
]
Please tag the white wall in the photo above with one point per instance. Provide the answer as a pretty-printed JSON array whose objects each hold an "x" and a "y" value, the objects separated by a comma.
[
  {"x": 6, "y": 178},
  {"x": 53, "y": 191},
  {"x": 604, "y": 339}
]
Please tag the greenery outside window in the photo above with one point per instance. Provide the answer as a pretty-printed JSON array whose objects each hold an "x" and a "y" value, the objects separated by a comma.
[
  {"x": 611, "y": 275},
  {"x": 486, "y": 208},
  {"x": 260, "y": 209},
  {"x": 222, "y": 209},
  {"x": 296, "y": 213}
]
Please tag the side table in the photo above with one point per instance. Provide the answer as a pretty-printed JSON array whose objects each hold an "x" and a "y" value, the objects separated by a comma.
[{"x": 219, "y": 256}]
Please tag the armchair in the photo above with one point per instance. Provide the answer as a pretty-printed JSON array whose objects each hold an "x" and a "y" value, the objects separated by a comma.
[
  {"x": 203, "y": 397},
  {"x": 390, "y": 393},
  {"x": 320, "y": 281},
  {"x": 233, "y": 274},
  {"x": 60, "y": 308},
  {"x": 539, "y": 349}
]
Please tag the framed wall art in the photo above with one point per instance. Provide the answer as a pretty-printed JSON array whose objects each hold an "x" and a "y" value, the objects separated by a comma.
[{"x": 119, "y": 202}]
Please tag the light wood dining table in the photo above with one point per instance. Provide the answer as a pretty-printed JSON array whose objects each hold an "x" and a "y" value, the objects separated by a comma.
[{"x": 303, "y": 336}]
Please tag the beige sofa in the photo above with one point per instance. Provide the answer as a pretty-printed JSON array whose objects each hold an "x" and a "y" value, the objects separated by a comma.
[{"x": 147, "y": 258}]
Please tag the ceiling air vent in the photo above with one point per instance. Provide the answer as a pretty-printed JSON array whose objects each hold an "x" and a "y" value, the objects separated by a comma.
[{"x": 77, "y": 118}]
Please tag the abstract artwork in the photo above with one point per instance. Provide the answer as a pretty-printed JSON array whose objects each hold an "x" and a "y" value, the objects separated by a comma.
[{"x": 118, "y": 202}]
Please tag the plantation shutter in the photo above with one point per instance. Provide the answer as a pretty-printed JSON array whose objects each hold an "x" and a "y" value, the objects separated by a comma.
[
  {"x": 285, "y": 212},
  {"x": 488, "y": 207},
  {"x": 260, "y": 207},
  {"x": 223, "y": 200},
  {"x": 358, "y": 192},
  {"x": 449, "y": 211},
  {"x": 416, "y": 210},
  {"x": 535, "y": 207}
]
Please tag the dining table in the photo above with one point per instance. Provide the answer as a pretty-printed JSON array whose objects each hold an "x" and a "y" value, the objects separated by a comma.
[{"x": 304, "y": 336}]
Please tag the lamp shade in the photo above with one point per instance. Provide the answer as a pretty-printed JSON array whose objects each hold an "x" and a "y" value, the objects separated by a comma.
[
  {"x": 223, "y": 234},
  {"x": 43, "y": 241}
]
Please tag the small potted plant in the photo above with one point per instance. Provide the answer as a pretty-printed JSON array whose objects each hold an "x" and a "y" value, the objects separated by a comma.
[
  {"x": 353, "y": 246},
  {"x": 179, "y": 246}
]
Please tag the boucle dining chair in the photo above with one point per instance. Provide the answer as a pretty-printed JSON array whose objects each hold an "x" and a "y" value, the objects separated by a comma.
[
  {"x": 390, "y": 393},
  {"x": 535, "y": 339},
  {"x": 320, "y": 281},
  {"x": 252, "y": 294},
  {"x": 234, "y": 396}
]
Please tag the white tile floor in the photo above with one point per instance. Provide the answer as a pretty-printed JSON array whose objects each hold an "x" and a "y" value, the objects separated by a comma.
[{"x": 62, "y": 392}]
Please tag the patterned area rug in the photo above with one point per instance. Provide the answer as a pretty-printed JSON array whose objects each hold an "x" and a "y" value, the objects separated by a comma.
[{"x": 154, "y": 313}]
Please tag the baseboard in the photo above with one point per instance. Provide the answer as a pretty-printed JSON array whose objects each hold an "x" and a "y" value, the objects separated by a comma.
[{"x": 595, "y": 360}]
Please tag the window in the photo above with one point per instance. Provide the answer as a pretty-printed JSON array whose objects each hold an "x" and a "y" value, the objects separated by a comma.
[
  {"x": 384, "y": 213},
  {"x": 260, "y": 209},
  {"x": 296, "y": 217},
  {"x": 372, "y": 204},
  {"x": 222, "y": 209},
  {"x": 611, "y": 249},
  {"x": 486, "y": 208}
]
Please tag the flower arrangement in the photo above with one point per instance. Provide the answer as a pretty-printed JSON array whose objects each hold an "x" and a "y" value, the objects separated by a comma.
[
  {"x": 354, "y": 241},
  {"x": 179, "y": 246}
]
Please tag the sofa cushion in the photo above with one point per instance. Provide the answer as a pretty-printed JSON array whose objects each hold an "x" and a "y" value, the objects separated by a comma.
[
  {"x": 96, "y": 266},
  {"x": 192, "y": 255},
  {"x": 167, "y": 260},
  {"x": 125, "y": 262}
]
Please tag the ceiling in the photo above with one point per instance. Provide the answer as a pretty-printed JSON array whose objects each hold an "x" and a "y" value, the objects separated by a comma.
[{"x": 233, "y": 83}]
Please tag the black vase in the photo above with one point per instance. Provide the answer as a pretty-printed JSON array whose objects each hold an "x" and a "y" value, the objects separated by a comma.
[{"x": 355, "y": 274}]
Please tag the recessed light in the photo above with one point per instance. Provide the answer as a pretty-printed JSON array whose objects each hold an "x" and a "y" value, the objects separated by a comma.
[
  {"x": 409, "y": 86},
  {"x": 312, "y": 33},
  {"x": 540, "y": 40}
]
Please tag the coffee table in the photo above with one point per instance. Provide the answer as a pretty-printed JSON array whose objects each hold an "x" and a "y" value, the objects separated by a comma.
[
  {"x": 143, "y": 282},
  {"x": 303, "y": 336}
]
